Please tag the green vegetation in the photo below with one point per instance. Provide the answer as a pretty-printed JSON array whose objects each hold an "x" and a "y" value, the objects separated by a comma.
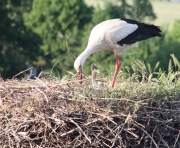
[
  {"x": 52, "y": 38},
  {"x": 19, "y": 46},
  {"x": 143, "y": 82},
  {"x": 56, "y": 22},
  {"x": 166, "y": 12}
]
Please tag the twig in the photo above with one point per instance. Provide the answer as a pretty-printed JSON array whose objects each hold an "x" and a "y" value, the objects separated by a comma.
[
  {"x": 81, "y": 130},
  {"x": 68, "y": 47},
  {"x": 56, "y": 63},
  {"x": 176, "y": 139},
  {"x": 43, "y": 94},
  {"x": 27, "y": 87},
  {"x": 147, "y": 135},
  {"x": 106, "y": 144},
  {"x": 127, "y": 118},
  {"x": 41, "y": 82},
  {"x": 171, "y": 128},
  {"x": 115, "y": 99},
  {"x": 71, "y": 131},
  {"x": 139, "y": 124},
  {"x": 162, "y": 109},
  {"x": 165, "y": 143},
  {"x": 75, "y": 81},
  {"x": 130, "y": 132},
  {"x": 22, "y": 72},
  {"x": 104, "y": 116}
]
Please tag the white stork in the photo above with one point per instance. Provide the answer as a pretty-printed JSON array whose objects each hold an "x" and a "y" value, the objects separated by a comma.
[{"x": 117, "y": 35}]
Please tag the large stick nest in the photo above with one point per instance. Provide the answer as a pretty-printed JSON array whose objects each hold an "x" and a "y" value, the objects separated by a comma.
[{"x": 51, "y": 114}]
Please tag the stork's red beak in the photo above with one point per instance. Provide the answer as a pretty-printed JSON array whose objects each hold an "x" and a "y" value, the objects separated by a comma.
[{"x": 80, "y": 77}]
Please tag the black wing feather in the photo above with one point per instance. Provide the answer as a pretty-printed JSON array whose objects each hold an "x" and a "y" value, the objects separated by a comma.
[{"x": 143, "y": 32}]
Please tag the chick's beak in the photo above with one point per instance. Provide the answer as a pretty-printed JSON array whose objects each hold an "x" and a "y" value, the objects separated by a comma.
[{"x": 80, "y": 77}]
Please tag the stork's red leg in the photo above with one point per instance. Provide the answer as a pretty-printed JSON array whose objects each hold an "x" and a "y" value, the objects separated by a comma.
[{"x": 118, "y": 65}]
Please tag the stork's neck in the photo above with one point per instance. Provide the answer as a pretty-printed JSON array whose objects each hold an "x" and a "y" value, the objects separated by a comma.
[{"x": 85, "y": 54}]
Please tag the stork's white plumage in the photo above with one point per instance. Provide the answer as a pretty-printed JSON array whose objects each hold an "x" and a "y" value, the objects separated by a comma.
[{"x": 117, "y": 35}]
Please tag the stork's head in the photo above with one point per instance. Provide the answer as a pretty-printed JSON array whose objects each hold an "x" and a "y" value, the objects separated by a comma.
[{"x": 78, "y": 65}]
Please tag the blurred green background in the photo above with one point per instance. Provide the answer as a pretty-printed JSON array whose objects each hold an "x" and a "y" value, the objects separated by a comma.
[{"x": 41, "y": 33}]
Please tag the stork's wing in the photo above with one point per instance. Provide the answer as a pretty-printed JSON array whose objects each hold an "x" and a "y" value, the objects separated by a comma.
[
  {"x": 119, "y": 30},
  {"x": 143, "y": 32}
]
